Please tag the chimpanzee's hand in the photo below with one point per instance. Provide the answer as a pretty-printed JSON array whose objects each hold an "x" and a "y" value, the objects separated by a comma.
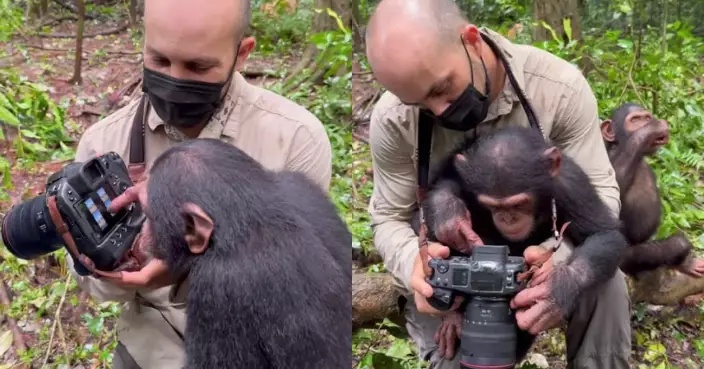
[
  {"x": 535, "y": 310},
  {"x": 422, "y": 290},
  {"x": 137, "y": 269},
  {"x": 450, "y": 221},
  {"x": 447, "y": 336},
  {"x": 692, "y": 266}
]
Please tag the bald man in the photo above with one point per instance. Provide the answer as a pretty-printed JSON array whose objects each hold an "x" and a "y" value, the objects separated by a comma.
[
  {"x": 428, "y": 56},
  {"x": 192, "y": 52}
]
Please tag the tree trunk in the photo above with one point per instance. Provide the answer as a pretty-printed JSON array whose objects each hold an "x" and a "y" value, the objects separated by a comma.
[
  {"x": 553, "y": 12},
  {"x": 357, "y": 36},
  {"x": 79, "y": 43},
  {"x": 322, "y": 22},
  {"x": 133, "y": 13}
]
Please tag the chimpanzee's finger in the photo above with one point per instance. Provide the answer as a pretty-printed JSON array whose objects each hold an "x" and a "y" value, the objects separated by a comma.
[
  {"x": 471, "y": 237},
  {"x": 130, "y": 195},
  {"x": 526, "y": 319},
  {"x": 450, "y": 340},
  {"x": 549, "y": 318},
  {"x": 536, "y": 255},
  {"x": 529, "y": 296},
  {"x": 442, "y": 330}
]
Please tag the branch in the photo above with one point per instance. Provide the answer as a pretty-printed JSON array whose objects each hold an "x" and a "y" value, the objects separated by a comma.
[
  {"x": 87, "y": 35},
  {"x": 375, "y": 297},
  {"x": 16, "y": 333}
]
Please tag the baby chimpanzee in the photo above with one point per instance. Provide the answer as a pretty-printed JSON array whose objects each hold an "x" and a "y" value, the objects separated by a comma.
[
  {"x": 502, "y": 188},
  {"x": 631, "y": 134},
  {"x": 267, "y": 258}
]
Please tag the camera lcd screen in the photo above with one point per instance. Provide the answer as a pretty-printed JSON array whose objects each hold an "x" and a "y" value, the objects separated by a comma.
[{"x": 95, "y": 209}]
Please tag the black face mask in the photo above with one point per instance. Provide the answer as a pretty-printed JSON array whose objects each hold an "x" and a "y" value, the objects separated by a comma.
[
  {"x": 184, "y": 103},
  {"x": 470, "y": 108}
]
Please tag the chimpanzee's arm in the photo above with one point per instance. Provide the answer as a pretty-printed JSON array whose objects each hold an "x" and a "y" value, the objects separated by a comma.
[
  {"x": 594, "y": 231},
  {"x": 671, "y": 252}
]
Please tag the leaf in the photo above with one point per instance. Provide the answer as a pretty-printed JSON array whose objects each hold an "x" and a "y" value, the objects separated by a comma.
[
  {"x": 5, "y": 342},
  {"x": 625, "y": 44},
  {"x": 567, "y": 26},
  {"x": 9, "y": 118},
  {"x": 400, "y": 349}
]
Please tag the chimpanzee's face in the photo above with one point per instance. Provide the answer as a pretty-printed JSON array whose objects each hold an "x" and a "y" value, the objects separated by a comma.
[
  {"x": 643, "y": 119},
  {"x": 513, "y": 216}
]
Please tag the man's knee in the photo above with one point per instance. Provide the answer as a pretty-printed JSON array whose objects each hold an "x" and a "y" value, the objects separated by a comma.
[
  {"x": 122, "y": 359},
  {"x": 422, "y": 327},
  {"x": 599, "y": 330}
]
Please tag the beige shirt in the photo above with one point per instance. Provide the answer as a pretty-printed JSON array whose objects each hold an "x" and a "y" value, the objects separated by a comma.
[
  {"x": 275, "y": 131},
  {"x": 565, "y": 107}
]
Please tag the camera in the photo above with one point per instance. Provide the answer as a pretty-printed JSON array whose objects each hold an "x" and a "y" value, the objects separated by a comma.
[
  {"x": 488, "y": 280},
  {"x": 73, "y": 213}
]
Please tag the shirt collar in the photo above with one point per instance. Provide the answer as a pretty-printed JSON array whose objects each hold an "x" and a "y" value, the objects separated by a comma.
[
  {"x": 217, "y": 123},
  {"x": 507, "y": 97}
]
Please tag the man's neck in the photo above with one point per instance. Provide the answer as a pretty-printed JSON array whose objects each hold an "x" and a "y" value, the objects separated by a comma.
[
  {"x": 496, "y": 72},
  {"x": 193, "y": 132}
]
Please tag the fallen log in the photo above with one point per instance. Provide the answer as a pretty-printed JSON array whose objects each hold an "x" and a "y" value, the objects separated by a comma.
[{"x": 375, "y": 297}]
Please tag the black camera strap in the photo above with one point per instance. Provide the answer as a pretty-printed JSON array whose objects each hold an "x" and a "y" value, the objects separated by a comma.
[
  {"x": 425, "y": 134},
  {"x": 137, "y": 134},
  {"x": 137, "y": 165}
]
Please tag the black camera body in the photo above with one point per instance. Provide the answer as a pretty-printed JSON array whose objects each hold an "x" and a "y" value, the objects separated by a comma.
[
  {"x": 488, "y": 280},
  {"x": 82, "y": 193}
]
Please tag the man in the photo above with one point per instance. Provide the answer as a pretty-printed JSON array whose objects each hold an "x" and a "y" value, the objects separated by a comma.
[
  {"x": 192, "y": 52},
  {"x": 427, "y": 55}
]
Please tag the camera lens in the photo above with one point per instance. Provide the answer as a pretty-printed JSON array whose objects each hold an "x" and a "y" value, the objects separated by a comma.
[
  {"x": 489, "y": 334},
  {"x": 27, "y": 230}
]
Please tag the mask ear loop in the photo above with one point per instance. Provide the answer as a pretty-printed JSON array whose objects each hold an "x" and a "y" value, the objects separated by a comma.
[{"x": 471, "y": 68}]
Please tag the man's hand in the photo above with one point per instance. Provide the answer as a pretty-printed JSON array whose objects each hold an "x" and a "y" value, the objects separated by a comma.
[
  {"x": 535, "y": 312},
  {"x": 154, "y": 274},
  {"x": 422, "y": 290}
]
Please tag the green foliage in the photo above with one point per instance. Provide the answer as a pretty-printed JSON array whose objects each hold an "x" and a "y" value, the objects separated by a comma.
[
  {"x": 666, "y": 80},
  {"x": 279, "y": 33},
  {"x": 11, "y": 19}
]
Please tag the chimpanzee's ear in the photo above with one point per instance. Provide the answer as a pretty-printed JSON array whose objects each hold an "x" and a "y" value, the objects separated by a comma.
[
  {"x": 607, "y": 131},
  {"x": 199, "y": 227},
  {"x": 554, "y": 156}
]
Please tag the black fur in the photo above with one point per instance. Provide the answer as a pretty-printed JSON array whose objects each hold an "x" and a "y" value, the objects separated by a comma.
[
  {"x": 273, "y": 289},
  {"x": 511, "y": 161},
  {"x": 641, "y": 206}
]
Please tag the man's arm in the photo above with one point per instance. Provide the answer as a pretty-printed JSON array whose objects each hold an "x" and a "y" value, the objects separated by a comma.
[
  {"x": 311, "y": 154},
  {"x": 98, "y": 289},
  {"x": 393, "y": 198},
  {"x": 578, "y": 135}
]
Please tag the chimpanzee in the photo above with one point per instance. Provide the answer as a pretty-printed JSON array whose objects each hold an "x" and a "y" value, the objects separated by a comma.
[
  {"x": 630, "y": 135},
  {"x": 501, "y": 188},
  {"x": 266, "y": 256}
]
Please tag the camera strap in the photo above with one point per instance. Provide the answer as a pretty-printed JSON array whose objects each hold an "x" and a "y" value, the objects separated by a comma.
[
  {"x": 137, "y": 166},
  {"x": 62, "y": 229},
  {"x": 425, "y": 132}
]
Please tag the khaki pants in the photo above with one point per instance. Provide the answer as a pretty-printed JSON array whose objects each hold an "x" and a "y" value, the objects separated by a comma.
[
  {"x": 122, "y": 359},
  {"x": 598, "y": 332}
]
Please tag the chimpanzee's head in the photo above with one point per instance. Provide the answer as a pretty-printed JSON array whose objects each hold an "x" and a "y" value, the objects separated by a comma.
[
  {"x": 629, "y": 118},
  {"x": 200, "y": 202},
  {"x": 512, "y": 172}
]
